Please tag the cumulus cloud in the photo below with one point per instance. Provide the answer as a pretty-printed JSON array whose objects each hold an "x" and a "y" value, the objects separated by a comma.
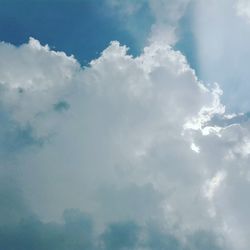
[
  {"x": 128, "y": 140},
  {"x": 28, "y": 75}
]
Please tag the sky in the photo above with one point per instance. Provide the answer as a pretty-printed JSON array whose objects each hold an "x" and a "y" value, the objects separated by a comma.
[{"x": 124, "y": 125}]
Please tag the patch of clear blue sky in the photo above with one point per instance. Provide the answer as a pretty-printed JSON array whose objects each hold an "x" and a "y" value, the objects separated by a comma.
[
  {"x": 84, "y": 28},
  {"x": 79, "y": 27}
]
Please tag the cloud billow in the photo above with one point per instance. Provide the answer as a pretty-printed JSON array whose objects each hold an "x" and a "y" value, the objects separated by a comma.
[{"x": 130, "y": 141}]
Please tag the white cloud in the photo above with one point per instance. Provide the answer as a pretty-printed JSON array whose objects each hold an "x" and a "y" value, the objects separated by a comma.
[
  {"x": 34, "y": 78},
  {"x": 214, "y": 183},
  {"x": 122, "y": 149},
  {"x": 195, "y": 148}
]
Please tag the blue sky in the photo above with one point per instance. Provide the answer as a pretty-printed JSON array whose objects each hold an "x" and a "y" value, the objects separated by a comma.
[
  {"x": 140, "y": 140},
  {"x": 82, "y": 28}
]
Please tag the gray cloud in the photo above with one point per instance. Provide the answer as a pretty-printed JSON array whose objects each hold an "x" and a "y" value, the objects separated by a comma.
[{"x": 77, "y": 232}]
